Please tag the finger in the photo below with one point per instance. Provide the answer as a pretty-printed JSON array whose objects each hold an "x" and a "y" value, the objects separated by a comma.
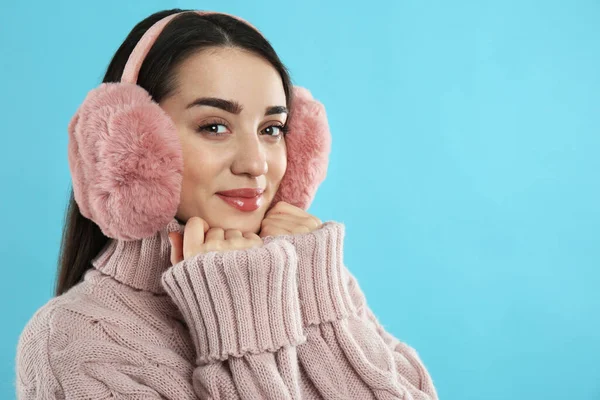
[
  {"x": 274, "y": 227},
  {"x": 215, "y": 234},
  {"x": 285, "y": 223},
  {"x": 283, "y": 207},
  {"x": 290, "y": 225},
  {"x": 316, "y": 221},
  {"x": 271, "y": 230},
  {"x": 215, "y": 240},
  {"x": 176, "y": 239},
  {"x": 255, "y": 238},
  {"x": 206, "y": 227},
  {"x": 286, "y": 217},
  {"x": 193, "y": 236},
  {"x": 232, "y": 233},
  {"x": 307, "y": 220},
  {"x": 250, "y": 235}
]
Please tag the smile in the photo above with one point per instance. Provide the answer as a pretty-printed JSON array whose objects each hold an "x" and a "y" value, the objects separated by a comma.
[{"x": 243, "y": 203}]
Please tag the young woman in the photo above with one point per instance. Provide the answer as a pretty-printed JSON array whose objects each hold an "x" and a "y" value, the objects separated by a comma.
[{"x": 189, "y": 266}]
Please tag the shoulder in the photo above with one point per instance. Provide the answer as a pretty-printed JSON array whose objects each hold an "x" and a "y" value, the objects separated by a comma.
[
  {"x": 60, "y": 315},
  {"x": 32, "y": 360},
  {"x": 54, "y": 317},
  {"x": 39, "y": 324},
  {"x": 96, "y": 324},
  {"x": 100, "y": 308}
]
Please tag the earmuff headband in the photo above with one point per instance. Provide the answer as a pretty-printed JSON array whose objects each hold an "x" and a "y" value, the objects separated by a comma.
[{"x": 137, "y": 56}]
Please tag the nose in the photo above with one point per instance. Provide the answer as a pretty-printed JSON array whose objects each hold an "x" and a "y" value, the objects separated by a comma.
[{"x": 251, "y": 157}]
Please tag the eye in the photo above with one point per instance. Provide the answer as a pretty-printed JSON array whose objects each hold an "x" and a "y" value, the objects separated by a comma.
[
  {"x": 212, "y": 128},
  {"x": 282, "y": 129}
]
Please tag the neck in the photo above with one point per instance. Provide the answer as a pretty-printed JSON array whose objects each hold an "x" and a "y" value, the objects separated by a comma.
[{"x": 139, "y": 263}]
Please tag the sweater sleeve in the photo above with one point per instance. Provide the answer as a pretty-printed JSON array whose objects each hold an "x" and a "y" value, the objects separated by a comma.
[
  {"x": 242, "y": 310},
  {"x": 344, "y": 338}
]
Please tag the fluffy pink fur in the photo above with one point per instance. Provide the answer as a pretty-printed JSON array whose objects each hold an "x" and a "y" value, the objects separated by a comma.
[
  {"x": 308, "y": 146},
  {"x": 126, "y": 159}
]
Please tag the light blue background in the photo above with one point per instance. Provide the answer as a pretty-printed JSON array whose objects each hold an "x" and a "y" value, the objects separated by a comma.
[{"x": 464, "y": 165}]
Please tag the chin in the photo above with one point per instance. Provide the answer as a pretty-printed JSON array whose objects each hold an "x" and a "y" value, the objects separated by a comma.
[{"x": 250, "y": 223}]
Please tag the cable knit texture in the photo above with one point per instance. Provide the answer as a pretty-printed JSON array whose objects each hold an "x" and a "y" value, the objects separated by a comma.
[{"x": 286, "y": 320}]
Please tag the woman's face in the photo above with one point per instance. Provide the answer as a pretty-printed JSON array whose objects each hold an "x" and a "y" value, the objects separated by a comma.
[{"x": 228, "y": 146}]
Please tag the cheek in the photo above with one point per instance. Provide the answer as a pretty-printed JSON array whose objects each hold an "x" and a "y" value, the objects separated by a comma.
[
  {"x": 201, "y": 167},
  {"x": 278, "y": 163}
]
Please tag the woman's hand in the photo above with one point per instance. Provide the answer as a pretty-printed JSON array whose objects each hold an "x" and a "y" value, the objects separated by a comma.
[
  {"x": 285, "y": 219},
  {"x": 198, "y": 237}
]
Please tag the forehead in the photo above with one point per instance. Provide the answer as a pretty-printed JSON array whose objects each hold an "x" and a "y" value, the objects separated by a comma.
[{"x": 230, "y": 73}]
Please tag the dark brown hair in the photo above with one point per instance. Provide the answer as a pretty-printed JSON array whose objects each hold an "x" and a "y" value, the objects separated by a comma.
[{"x": 185, "y": 35}]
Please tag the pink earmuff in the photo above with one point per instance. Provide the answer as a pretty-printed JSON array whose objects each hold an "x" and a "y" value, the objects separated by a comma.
[{"x": 126, "y": 159}]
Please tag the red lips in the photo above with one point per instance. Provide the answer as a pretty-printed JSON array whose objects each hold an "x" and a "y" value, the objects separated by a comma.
[
  {"x": 248, "y": 199},
  {"x": 246, "y": 192}
]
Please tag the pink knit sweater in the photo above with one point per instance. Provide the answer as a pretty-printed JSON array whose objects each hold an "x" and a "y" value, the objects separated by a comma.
[{"x": 283, "y": 321}]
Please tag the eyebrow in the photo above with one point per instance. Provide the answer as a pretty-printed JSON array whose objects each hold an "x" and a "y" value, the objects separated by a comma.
[{"x": 232, "y": 107}]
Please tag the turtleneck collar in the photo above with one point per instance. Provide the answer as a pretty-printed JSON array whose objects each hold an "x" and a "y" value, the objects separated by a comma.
[{"x": 139, "y": 263}]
